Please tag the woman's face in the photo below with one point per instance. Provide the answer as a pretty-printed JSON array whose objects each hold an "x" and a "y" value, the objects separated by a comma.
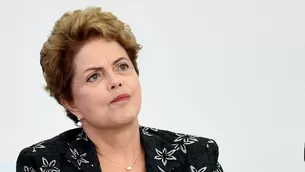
[{"x": 105, "y": 89}]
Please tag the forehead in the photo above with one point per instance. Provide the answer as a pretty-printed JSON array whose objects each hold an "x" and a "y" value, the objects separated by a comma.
[{"x": 98, "y": 52}]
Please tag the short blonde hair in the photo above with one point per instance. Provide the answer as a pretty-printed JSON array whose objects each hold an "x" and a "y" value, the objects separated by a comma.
[{"x": 69, "y": 34}]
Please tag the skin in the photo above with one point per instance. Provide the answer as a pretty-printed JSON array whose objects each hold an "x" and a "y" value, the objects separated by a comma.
[{"x": 103, "y": 71}]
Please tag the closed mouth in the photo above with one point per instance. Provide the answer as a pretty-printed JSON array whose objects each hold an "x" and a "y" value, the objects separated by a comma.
[{"x": 120, "y": 97}]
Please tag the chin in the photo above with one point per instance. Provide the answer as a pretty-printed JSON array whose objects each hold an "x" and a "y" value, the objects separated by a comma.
[
  {"x": 125, "y": 120},
  {"x": 126, "y": 115}
]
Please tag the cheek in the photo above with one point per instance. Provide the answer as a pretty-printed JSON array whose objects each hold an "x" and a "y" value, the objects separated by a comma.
[
  {"x": 137, "y": 90},
  {"x": 90, "y": 97},
  {"x": 135, "y": 84}
]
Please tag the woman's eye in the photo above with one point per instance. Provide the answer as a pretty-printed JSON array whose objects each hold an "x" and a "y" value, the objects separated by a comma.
[
  {"x": 123, "y": 67},
  {"x": 93, "y": 77}
]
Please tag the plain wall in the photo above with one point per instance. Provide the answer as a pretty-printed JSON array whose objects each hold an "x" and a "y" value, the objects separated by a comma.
[{"x": 231, "y": 70}]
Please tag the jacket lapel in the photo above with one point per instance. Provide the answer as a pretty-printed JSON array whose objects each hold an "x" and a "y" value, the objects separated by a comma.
[
  {"x": 82, "y": 155},
  {"x": 160, "y": 154}
]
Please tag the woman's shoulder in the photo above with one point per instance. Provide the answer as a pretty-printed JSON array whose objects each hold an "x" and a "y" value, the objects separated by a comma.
[
  {"x": 59, "y": 140},
  {"x": 173, "y": 136},
  {"x": 200, "y": 152},
  {"x": 186, "y": 142},
  {"x": 56, "y": 145}
]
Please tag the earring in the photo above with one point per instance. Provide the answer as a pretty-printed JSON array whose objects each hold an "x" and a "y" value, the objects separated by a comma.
[{"x": 79, "y": 123}]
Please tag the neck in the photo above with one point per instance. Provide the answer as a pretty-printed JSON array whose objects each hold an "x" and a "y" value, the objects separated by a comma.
[{"x": 116, "y": 142}]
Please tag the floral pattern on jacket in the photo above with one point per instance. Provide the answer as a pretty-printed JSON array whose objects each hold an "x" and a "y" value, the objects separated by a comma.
[{"x": 165, "y": 151}]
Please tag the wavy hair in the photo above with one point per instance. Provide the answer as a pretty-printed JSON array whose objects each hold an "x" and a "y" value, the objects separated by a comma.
[{"x": 69, "y": 34}]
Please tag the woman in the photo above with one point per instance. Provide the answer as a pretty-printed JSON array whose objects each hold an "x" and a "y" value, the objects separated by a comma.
[{"x": 90, "y": 66}]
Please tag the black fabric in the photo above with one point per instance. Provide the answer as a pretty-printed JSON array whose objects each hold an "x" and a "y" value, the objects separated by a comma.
[{"x": 165, "y": 151}]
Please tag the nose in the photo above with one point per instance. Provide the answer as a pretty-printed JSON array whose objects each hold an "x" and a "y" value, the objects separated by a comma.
[
  {"x": 115, "y": 86},
  {"x": 114, "y": 83}
]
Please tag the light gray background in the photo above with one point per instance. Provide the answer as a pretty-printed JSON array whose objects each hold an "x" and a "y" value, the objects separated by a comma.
[{"x": 229, "y": 70}]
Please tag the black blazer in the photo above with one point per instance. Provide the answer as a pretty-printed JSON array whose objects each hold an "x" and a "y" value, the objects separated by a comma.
[{"x": 165, "y": 151}]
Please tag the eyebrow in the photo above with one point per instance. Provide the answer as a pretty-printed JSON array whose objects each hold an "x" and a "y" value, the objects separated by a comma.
[{"x": 101, "y": 68}]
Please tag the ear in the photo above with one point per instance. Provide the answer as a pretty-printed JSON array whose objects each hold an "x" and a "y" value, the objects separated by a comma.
[{"x": 70, "y": 106}]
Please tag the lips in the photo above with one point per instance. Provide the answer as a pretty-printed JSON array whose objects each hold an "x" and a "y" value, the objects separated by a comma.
[{"x": 120, "y": 97}]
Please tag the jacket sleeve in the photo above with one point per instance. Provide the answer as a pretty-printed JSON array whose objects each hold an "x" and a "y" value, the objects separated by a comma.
[
  {"x": 24, "y": 163},
  {"x": 215, "y": 153}
]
